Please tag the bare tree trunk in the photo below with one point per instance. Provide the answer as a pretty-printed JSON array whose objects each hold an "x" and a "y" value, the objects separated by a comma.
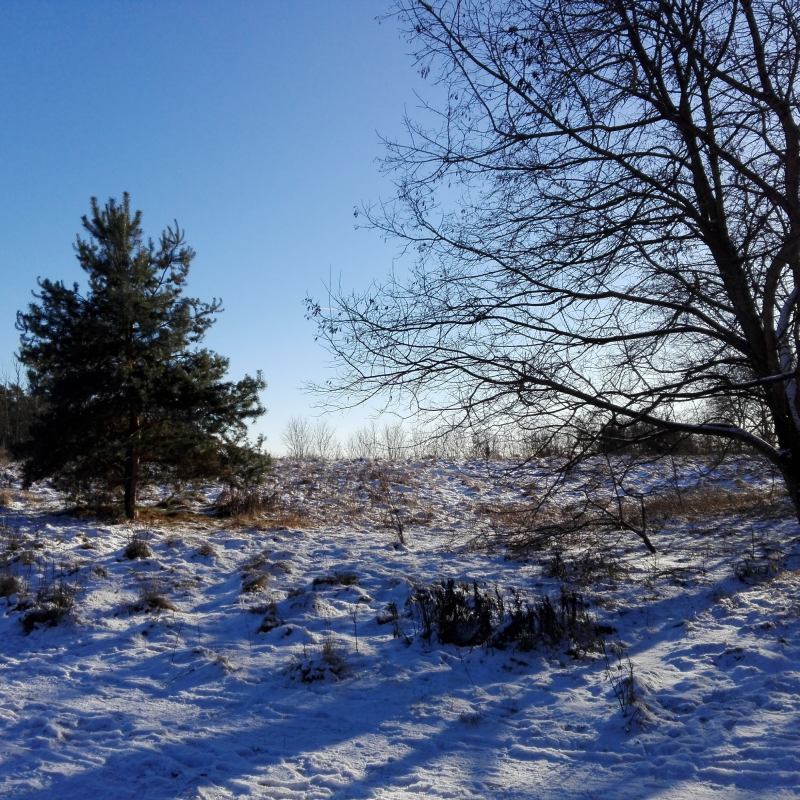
[{"x": 790, "y": 471}]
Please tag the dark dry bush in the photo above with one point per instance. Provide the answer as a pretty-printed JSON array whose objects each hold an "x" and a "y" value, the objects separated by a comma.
[
  {"x": 137, "y": 548},
  {"x": 138, "y": 545},
  {"x": 10, "y": 585},
  {"x": 457, "y": 613},
  {"x": 329, "y": 663},
  {"x": 255, "y": 582},
  {"x": 52, "y": 603},
  {"x": 271, "y": 619},
  {"x": 151, "y": 600},
  {"x": 467, "y": 615},
  {"x": 592, "y": 566},
  {"x": 336, "y": 579},
  {"x": 389, "y": 614}
]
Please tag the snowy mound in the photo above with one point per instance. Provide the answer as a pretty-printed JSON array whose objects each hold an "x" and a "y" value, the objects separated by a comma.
[{"x": 281, "y": 655}]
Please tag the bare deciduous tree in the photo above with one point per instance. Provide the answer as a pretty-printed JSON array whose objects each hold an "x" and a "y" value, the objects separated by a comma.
[
  {"x": 298, "y": 438},
  {"x": 606, "y": 208},
  {"x": 324, "y": 444},
  {"x": 393, "y": 441},
  {"x": 363, "y": 443}
]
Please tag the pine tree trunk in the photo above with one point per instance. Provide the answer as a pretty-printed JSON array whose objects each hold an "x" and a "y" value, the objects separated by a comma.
[
  {"x": 132, "y": 467},
  {"x": 131, "y": 481}
]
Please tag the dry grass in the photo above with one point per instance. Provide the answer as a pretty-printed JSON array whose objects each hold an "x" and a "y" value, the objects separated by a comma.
[
  {"x": 54, "y": 601},
  {"x": 145, "y": 515},
  {"x": 261, "y": 509},
  {"x": 255, "y": 577},
  {"x": 523, "y": 528},
  {"x": 152, "y": 597},
  {"x": 138, "y": 546},
  {"x": 237, "y": 503},
  {"x": 286, "y": 518},
  {"x": 714, "y": 500},
  {"x": 328, "y": 663},
  {"x": 271, "y": 619},
  {"x": 207, "y": 550},
  {"x": 255, "y": 582},
  {"x": 156, "y": 515}
]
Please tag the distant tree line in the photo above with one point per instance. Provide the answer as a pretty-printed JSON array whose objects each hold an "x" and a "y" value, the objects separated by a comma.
[{"x": 305, "y": 439}]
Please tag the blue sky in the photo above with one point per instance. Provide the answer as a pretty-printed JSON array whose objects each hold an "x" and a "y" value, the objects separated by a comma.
[{"x": 254, "y": 124}]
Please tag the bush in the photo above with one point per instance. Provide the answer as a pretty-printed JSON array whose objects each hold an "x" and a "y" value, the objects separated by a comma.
[
  {"x": 255, "y": 582},
  {"x": 329, "y": 663},
  {"x": 341, "y": 578},
  {"x": 138, "y": 546},
  {"x": 459, "y": 614},
  {"x": 272, "y": 618},
  {"x": 467, "y": 615},
  {"x": 54, "y": 600},
  {"x": 207, "y": 550},
  {"x": 152, "y": 598},
  {"x": 11, "y": 585}
]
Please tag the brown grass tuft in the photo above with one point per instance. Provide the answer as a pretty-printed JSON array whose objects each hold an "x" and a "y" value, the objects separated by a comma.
[
  {"x": 169, "y": 516},
  {"x": 255, "y": 582},
  {"x": 138, "y": 546},
  {"x": 207, "y": 550}
]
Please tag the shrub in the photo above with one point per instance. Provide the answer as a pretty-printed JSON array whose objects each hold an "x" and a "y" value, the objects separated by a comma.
[
  {"x": 271, "y": 619},
  {"x": 152, "y": 598},
  {"x": 328, "y": 663},
  {"x": 342, "y": 578},
  {"x": 138, "y": 546},
  {"x": 11, "y": 585},
  {"x": 207, "y": 550},
  {"x": 753, "y": 569},
  {"x": 255, "y": 582},
  {"x": 13, "y": 541},
  {"x": 53, "y": 601},
  {"x": 467, "y": 615},
  {"x": 627, "y": 687},
  {"x": 459, "y": 614},
  {"x": 255, "y": 577}
]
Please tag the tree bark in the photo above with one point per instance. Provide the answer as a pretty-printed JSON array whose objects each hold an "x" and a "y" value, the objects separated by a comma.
[
  {"x": 132, "y": 468},
  {"x": 790, "y": 470}
]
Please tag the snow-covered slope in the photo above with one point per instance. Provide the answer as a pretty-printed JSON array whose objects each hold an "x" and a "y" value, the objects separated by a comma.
[{"x": 256, "y": 660}]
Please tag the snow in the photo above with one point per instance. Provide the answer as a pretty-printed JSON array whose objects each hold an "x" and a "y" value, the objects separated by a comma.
[{"x": 125, "y": 700}]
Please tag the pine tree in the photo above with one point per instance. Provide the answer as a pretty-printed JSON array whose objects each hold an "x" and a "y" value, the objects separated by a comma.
[{"x": 127, "y": 394}]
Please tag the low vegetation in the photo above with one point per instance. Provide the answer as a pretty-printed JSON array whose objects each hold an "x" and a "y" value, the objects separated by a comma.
[
  {"x": 466, "y": 615},
  {"x": 445, "y": 630}
]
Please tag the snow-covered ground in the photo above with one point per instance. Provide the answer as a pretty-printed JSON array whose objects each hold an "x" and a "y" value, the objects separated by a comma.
[{"x": 256, "y": 660}]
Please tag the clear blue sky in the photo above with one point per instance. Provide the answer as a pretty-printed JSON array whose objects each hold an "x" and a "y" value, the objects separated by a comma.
[{"x": 253, "y": 123}]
